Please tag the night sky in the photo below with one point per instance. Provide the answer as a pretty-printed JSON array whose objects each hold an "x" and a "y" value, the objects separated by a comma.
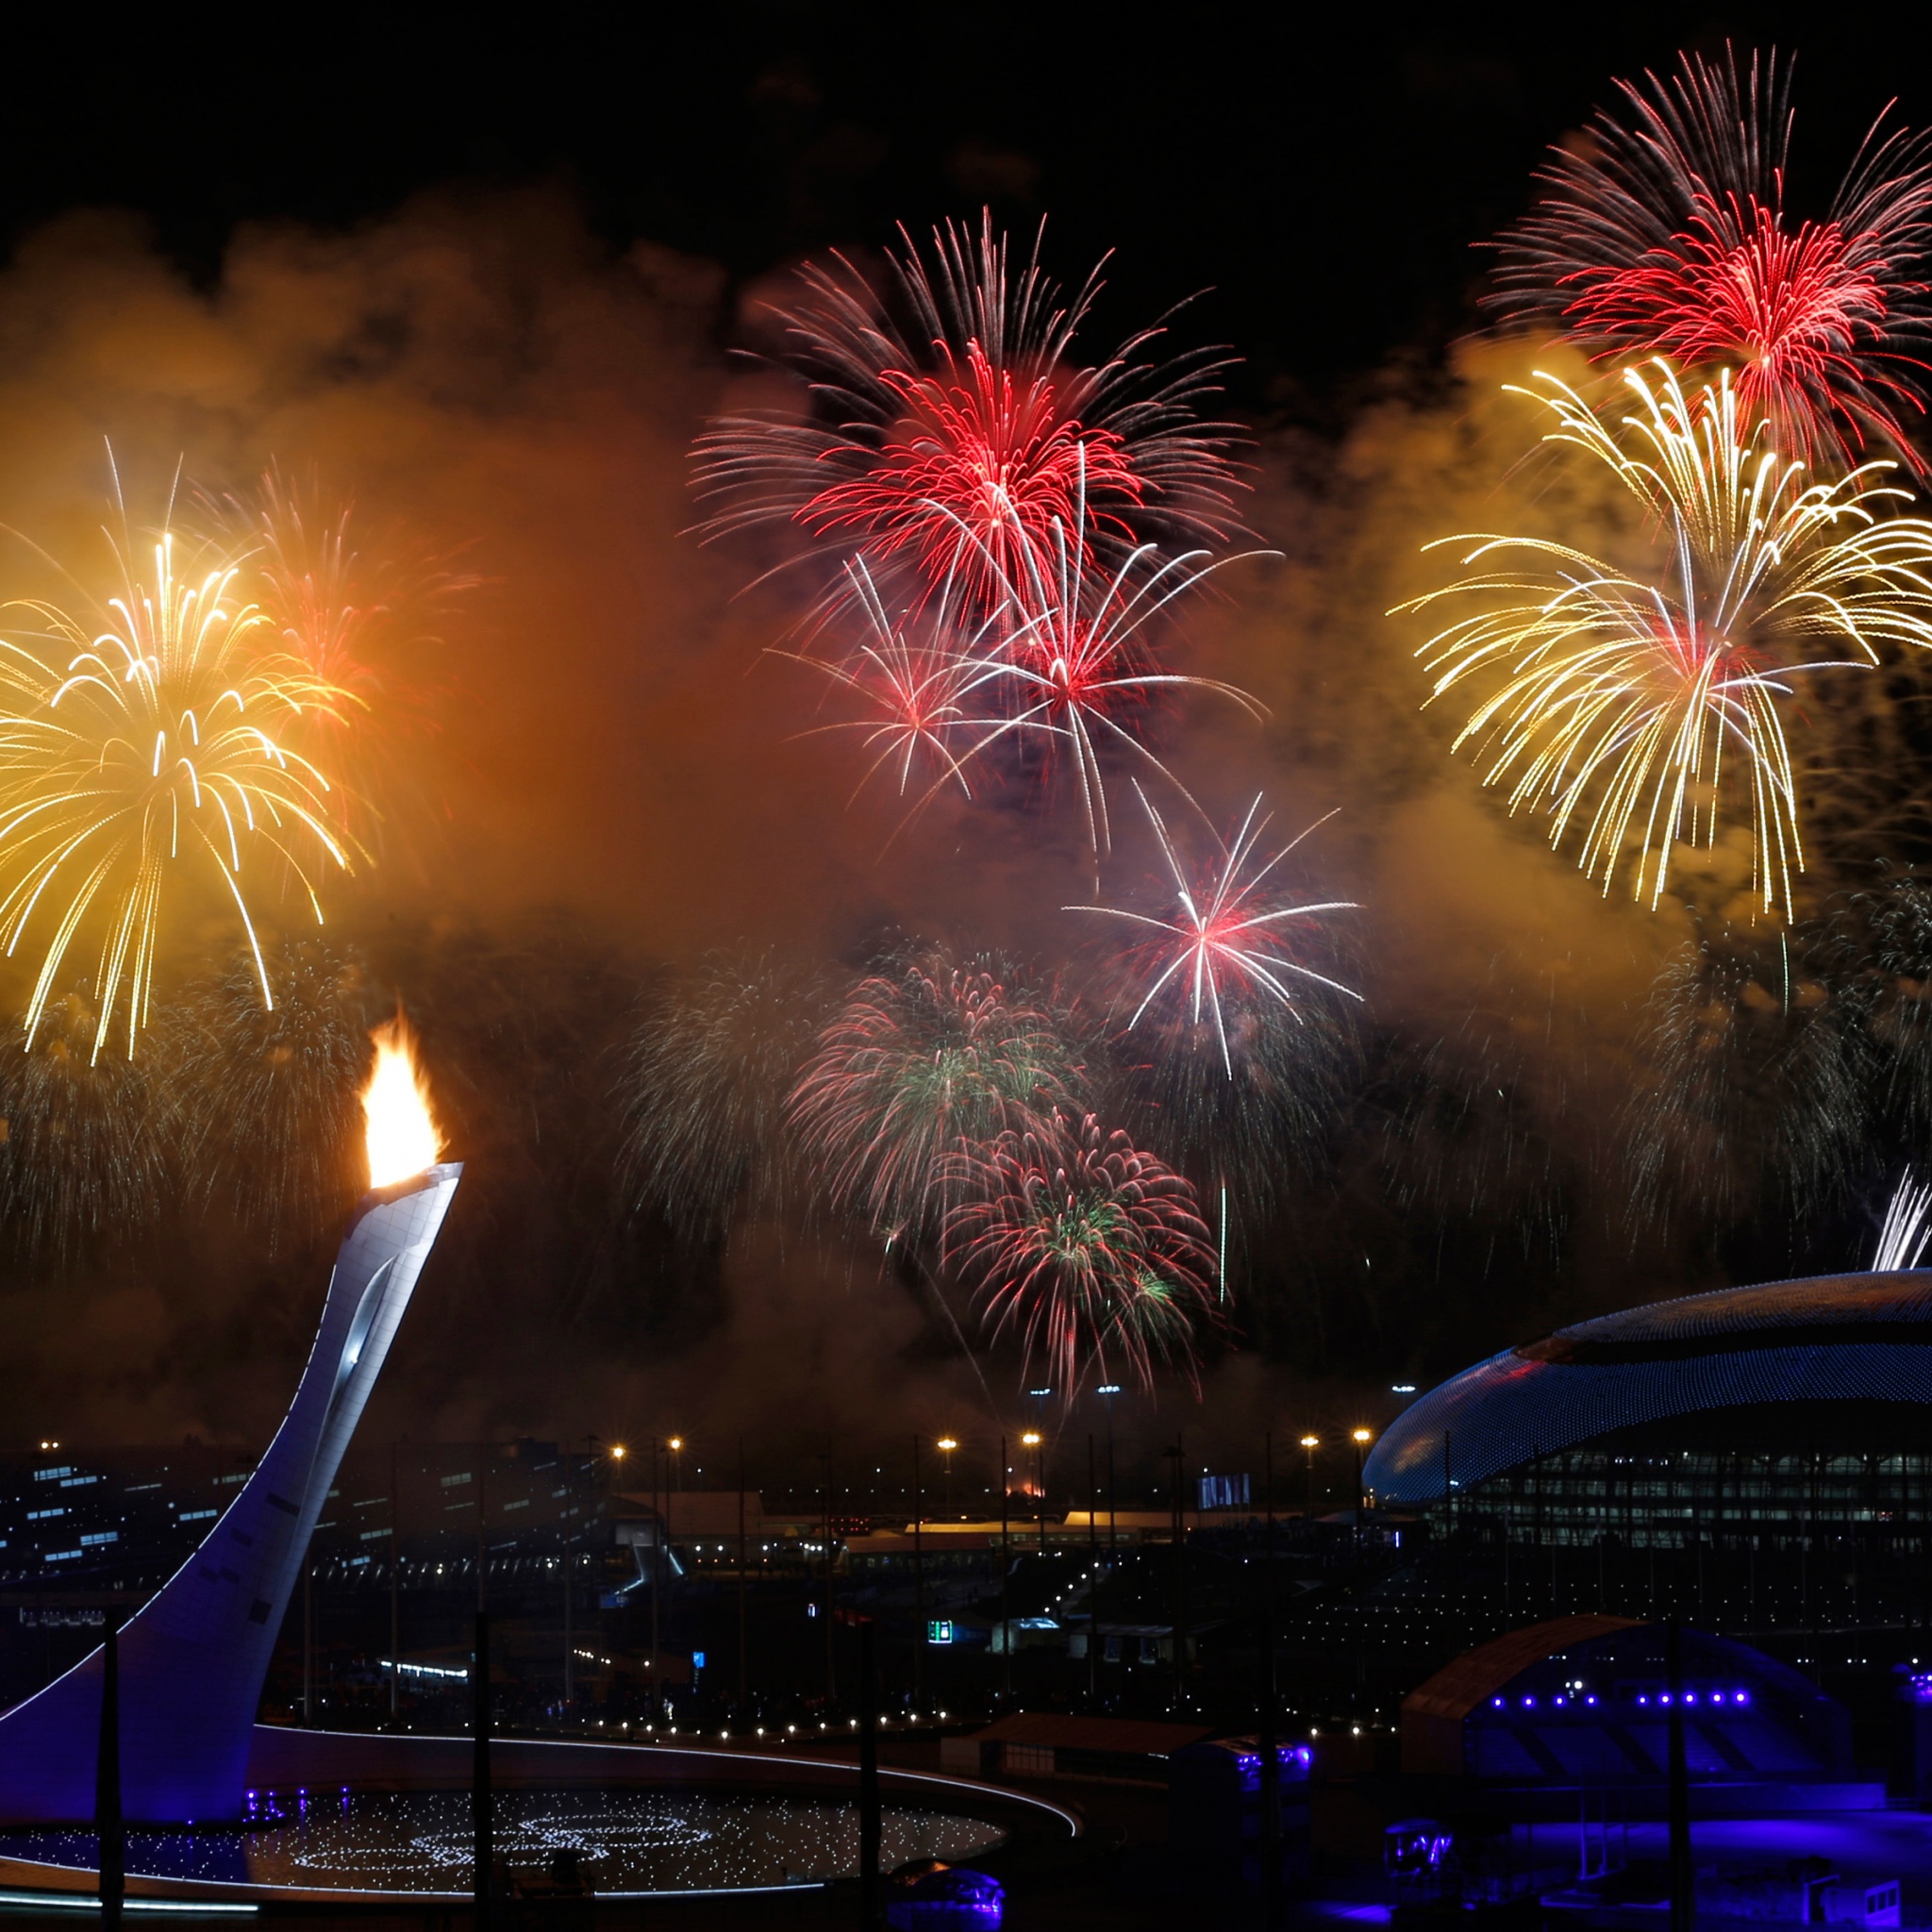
[{"x": 484, "y": 272}]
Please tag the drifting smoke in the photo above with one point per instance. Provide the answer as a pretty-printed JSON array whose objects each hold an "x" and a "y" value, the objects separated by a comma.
[{"x": 609, "y": 790}]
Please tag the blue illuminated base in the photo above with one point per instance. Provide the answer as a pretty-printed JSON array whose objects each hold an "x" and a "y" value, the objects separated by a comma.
[
  {"x": 308, "y": 1777},
  {"x": 1556, "y": 1803}
]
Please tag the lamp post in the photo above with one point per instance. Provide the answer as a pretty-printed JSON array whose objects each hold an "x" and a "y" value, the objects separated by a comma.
[
  {"x": 946, "y": 1446},
  {"x": 918, "y": 1581},
  {"x": 1036, "y": 1442},
  {"x": 1311, "y": 1443},
  {"x": 676, "y": 1447},
  {"x": 1109, "y": 1389},
  {"x": 659, "y": 1526},
  {"x": 1361, "y": 1439},
  {"x": 1006, "y": 1570}
]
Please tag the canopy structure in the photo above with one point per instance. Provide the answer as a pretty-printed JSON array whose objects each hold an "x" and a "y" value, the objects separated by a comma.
[{"x": 193, "y": 1658}]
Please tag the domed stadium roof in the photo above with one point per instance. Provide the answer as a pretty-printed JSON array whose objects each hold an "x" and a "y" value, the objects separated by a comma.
[{"x": 1835, "y": 1338}]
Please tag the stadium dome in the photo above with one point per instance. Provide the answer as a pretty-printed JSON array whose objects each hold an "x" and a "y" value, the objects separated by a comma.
[{"x": 1834, "y": 1339}]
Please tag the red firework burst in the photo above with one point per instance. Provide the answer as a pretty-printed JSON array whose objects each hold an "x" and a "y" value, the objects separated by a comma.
[
  {"x": 975, "y": 469},
  {"x": 1669, "y": 235},
  {"x": 1075, "y": 676},
  {"x": 949, "y": 420},
  {"x": 1089, "y": 1249},
  {"x": 1227, "y": 936},
  {"x": 910, "y": 681}
]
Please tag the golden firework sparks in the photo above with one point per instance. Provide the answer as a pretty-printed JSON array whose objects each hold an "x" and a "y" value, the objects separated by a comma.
[
  {"x": 145, "y": 748},
  {"x": 1644, "y": 712}
]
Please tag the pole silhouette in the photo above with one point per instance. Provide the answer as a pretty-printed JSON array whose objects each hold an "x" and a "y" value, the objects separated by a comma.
[
  {"x": 743, "y": 1702},
  {"x": 871, "y": 1820},
  {"x": 481, "y": 1821},
  {"x": 109, "y": 1825}
]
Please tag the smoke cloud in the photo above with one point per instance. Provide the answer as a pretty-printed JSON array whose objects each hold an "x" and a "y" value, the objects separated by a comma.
[{"x": 615, "y": 776}]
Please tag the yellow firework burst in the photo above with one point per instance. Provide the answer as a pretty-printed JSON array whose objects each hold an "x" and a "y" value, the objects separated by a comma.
[
  {"x": 143, "y": 749},
  {"x": 1642, "y": 711}
]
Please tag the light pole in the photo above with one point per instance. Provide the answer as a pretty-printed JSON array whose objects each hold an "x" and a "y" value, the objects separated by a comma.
[
  {"x": 946, "y": 1446},
  {"x": 1006, "y": 1570},
  {"x": 1311, "y": 1443},
  {"x": 1109, "y": 1389},
  {"x": 918, "y": 1581},
  {"x": 659, "y": 1526},
  {"x": 676, "y": 1445},
  {"x": 1034, "y": 1440},
  {"x": 1361, "y": 1439}
]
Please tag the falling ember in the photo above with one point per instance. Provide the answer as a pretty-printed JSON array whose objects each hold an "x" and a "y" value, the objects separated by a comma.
[{"x": 402, "y": 1132}]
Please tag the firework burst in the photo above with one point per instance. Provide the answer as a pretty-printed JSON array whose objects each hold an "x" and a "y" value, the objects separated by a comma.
[
  {"x": 1059, "y": 679},
  {"x": 912, "y": 680},
  {"x": 1088, "y": 1249},
  {"x": 1906, "y": 1230},
  {"x": 1640, "y": 713},
  {"x": 1077, "y": 678},
  {"x": 1666, "y": 234},
  {"x": 359, "y": 616},
  {"x": 1230, "y": 939},
  {"x": 913, "y": 1065},
  {"x": 951, "y": 427},
  {"x": 149, "y": 747}
]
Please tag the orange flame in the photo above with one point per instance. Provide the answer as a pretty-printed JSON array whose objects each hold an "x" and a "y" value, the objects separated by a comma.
[{"x": 402, "y": 1133}]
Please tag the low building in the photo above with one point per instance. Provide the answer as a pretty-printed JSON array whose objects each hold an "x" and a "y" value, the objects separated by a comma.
[
  {"x": 1047, "y": 1744},
  {"x": 1545, "y": 1719},
  {"x": 1217, "y": 1816}
]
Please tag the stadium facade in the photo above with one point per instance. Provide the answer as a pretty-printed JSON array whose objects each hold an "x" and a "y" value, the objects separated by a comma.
[{"x": 1771, "y": 1417}]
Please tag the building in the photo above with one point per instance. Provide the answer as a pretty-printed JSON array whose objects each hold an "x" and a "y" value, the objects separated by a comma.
[
  {"x": 1781, "y": 1417},
  {"x": 1038, "y": 1744},
  {"x": 1544, "y": 1720}
]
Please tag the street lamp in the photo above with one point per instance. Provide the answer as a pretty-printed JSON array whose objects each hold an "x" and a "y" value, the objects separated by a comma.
[
  {"x": 947, "y": 1446},
  {"x": 1109, "y": 1389},
  {"x": 1311, "y": 1443},
  {"x": 1034, "y": 1440},
  {"x": 1361, "y": 1439},
  {"x": 676, "y": 1445}
]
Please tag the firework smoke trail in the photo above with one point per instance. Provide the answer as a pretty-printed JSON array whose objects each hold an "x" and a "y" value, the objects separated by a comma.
[
  {"x": 1228, "y": 937},
  {"x": 912, "y": 1065},
  {"x": 1757, "y": 1104},
  {"x": 1668, "y": 235},
  {"x": 1092, "y": 1251},
  {"x": 150, "y": 744},
  {"x": 1633, "y": 710},
  {"x": 82, "y": 1145},
  {"x": 705, "y": 1085},
  {"x": 265, "y": 1101},
  {"x": 949, "y": 423}
]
